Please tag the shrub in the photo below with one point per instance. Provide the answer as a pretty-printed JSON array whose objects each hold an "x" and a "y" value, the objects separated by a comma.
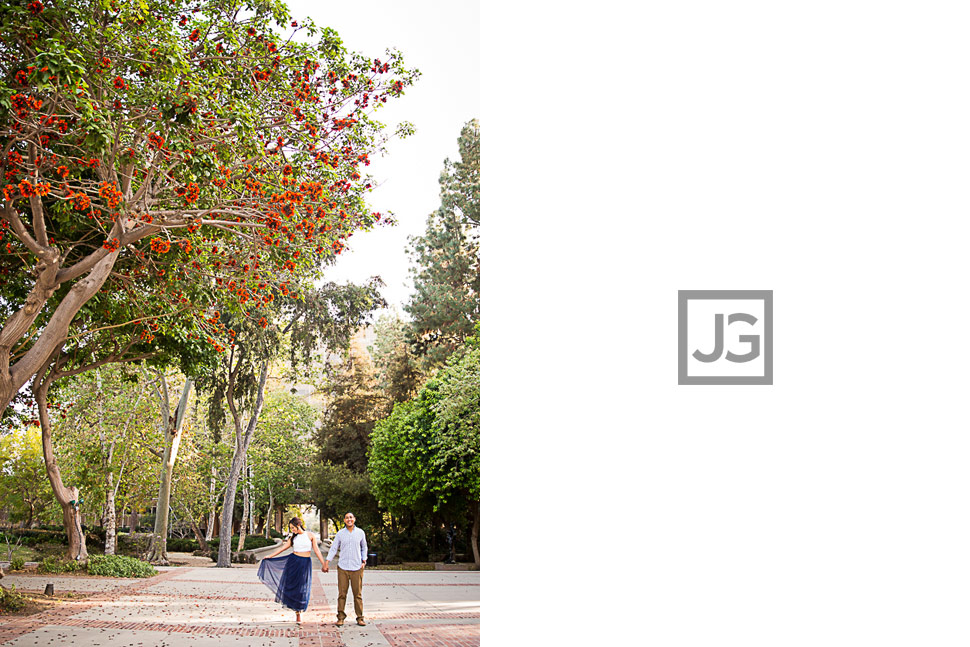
[
  {"x": 17, "y": 563},
  {"x": 254, "y": 541},
  {"x": 134, "y": 544},
  {"x": 32, "y": 536},
  {"x": 10, "y": 600},
  {"x": 186, "y": 545},
  {"x": 119, "y": 566},
  {"x": 235, "y": 558},
  {"x": 55, "y": 564}
]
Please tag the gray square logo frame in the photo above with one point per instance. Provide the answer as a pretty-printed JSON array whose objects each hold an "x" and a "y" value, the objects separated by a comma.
[{"x": 683, "y": 296}]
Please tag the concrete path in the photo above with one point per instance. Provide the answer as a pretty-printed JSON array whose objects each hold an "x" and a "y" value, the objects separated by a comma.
[{"x": 203, "y": 607}]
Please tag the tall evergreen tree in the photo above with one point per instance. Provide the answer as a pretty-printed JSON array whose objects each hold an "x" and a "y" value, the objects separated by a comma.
[
  {"x": 447, "y": 270},
  {"x": 398, "y": 371},
  {"x": 355, "y": 404}
]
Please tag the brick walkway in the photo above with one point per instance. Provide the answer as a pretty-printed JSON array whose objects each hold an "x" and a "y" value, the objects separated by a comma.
[{"x": 204, "y": 607}]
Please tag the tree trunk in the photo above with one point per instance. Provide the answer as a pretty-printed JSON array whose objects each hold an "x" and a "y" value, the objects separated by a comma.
[
  {"x": 211, "y": 522},
  {"x": 68, "y": 497},
  {"x": 478, "y": 514},
  {"x": 269, "y": 511},
  {"x": 228, "y": 503},
  {"x": 33, "y": 363},
  {"x": 110, "y": 530},
  {"x": 199, "y": 537},
  {"x": 251, "y": 500},
  {"x": 238, "y": 457},
  {"x": 196, "y": 530},
  {"x": 133, "y": 520},
  {"x": 157, "y": 553},
  {"x": 243, "y": 523}
]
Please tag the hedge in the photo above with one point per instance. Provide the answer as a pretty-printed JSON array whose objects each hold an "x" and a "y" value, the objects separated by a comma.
[{"x": 119, "y": 566}]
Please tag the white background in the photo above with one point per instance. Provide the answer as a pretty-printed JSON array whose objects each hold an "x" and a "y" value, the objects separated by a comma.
[{"x": 820, "y": 149}]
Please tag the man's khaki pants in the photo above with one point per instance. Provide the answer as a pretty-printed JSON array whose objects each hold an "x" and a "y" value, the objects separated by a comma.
[{"x": 356, "y": 580}]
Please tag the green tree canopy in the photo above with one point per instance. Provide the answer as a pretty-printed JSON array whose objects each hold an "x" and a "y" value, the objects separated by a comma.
[
  {"x": 24, "y": 489},
  {"x": 354, "y": 405},
  {"x": 426, "y": 454},
  {"x": 398, "y": 370}
]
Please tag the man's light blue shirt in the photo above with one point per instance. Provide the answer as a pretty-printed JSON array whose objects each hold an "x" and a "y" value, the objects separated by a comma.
[{"x": 352, "y": 547}]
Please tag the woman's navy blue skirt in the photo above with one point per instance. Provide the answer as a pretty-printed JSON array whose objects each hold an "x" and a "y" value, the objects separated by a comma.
[{"x": 289, "y": 577}]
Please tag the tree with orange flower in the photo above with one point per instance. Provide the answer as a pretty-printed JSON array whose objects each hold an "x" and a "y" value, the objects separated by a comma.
[{"x": 194, "y": 151}]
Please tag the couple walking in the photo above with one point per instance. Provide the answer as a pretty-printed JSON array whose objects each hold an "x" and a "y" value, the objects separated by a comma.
[{"x": 290, "y": 577}]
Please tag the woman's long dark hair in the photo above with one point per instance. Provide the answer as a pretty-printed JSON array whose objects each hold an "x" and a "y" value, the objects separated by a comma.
[{"x": 295, "y": 521}]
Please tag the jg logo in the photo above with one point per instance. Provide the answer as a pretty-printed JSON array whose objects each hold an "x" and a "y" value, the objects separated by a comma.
[{"x": 724, "y": 337}]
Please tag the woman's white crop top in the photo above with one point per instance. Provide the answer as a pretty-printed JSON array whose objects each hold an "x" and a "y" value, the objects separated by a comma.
[{"x": 301, "y": 543}]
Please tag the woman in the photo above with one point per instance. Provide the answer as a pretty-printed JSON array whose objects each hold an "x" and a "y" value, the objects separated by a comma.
[{"x": 290, "y": 577}]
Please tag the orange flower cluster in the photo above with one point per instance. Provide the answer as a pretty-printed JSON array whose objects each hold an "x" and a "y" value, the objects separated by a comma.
[
  {"x": 80, "y": 201},
  {"x": 314, "y": 190},
  {"x": 21, "y": 103},
  {"x": 112, "y": 245},
  {"x": 189, "y": 193},
  {"x": 156, "y": 140},
  {"x": 29, "y": 190},
  {"x": 109, "y": 191},
  {"x": 160, "y": 245}
]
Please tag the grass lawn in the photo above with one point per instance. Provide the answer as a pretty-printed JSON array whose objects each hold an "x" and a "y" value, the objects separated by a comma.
[
  {"x": 407, "y": 566},
  {"x": 28, "y": 554}
]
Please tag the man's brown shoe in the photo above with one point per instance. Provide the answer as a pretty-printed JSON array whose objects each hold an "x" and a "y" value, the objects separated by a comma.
[
  {"x": 361, "y": 622},
  {"x": 340, "y": 623}
]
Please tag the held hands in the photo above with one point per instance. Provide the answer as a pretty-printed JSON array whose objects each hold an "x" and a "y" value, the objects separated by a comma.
[{"x": 326, "y": 567}]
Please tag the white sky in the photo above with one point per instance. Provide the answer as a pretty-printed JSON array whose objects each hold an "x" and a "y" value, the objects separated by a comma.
[{"x": 441, "y": 39}]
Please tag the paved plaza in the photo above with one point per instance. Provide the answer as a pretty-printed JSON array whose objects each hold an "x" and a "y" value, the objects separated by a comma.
[{"x": 203, "y": 607}]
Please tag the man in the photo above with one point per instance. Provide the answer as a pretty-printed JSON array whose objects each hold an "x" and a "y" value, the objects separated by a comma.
[{"x": 352, "y": 545}]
